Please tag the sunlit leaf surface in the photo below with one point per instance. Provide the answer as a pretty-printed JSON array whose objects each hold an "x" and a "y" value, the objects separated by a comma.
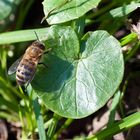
[{"x": 66, "y": 10}]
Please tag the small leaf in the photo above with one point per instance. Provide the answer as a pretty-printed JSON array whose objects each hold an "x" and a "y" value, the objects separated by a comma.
[
  {"x": 78, "y": 80},
  {"x": 120, "y": 11},
  {"x": 124, "y": 10},
  {"x": 66, "y": 10},
  {"x": 116, "y": 17}
]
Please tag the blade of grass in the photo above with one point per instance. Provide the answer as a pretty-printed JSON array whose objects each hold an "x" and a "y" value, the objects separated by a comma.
[
  {"x": 21, "y": 112},
  {"x": 8, "y": 116},
  {"x": 132, "y": 52},
  {"x": 22, "y": 35},
  {"x": 39, "y": 119},
  {"x": 128, "y": 39},
  {"x": 28, "y": 111},
  {"x": 12, "y": 88},
  {"x": 64, "y": 126},
  {"x": 123, "y": 125},
  {"x": 113, "y": 108},
  {"x": 10, "y": 105},
  {"x": 122, "y": 96},
  {"x": 3, "y": 59},
  {"x": 8, "y": 95}
]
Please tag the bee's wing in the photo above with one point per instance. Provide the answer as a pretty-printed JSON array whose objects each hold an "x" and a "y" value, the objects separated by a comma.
[{"x": 14, "y": 66}]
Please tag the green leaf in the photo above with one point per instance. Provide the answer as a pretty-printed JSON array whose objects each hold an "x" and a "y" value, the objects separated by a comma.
[
  {"x": 116, "y": 17},
  {"x": 124, "y": 10},
  {"x": 121, "y": 11},
  {"x": 66, "y": 10},
  {"x": 79, "y": 79}
]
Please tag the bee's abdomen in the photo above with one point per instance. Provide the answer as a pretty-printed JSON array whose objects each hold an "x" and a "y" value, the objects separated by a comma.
[{"x": 25, "y": 72}]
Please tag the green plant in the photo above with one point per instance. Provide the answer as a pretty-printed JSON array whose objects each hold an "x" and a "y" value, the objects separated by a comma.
[{"x": 84, "y": 71}]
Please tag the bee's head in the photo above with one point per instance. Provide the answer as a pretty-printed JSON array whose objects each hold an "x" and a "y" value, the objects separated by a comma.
[
  {"x": 38, "y": 44},
  {"x": 36, "y": 49}
]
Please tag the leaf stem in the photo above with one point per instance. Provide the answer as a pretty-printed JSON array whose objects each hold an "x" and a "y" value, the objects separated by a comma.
[{"x": 79, "y": 25}]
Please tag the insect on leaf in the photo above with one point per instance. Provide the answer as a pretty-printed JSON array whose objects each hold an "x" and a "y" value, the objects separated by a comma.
[{"x": 81, "y": 77}]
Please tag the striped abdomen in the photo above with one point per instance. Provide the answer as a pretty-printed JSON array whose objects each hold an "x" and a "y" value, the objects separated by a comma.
[{"x": 25, "y": 71}]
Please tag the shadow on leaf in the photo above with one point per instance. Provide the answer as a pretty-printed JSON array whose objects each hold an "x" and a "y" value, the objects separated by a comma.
[{"x": 54, "y": 77}]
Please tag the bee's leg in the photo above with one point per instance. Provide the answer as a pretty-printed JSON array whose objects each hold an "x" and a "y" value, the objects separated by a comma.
[
  {"x": 43, "y": 64},
  {"x": 29, "y": 81},
  {"x": 48, "y": 50}
]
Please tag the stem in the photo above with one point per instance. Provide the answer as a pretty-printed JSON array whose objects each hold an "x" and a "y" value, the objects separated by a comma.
[
  {"x": 79, "y": 25},
  {"x": 4, "y": 59},
  {"x": 101, "y": 11},
  {"x": 113, "y": 108},
  {"x": 22, "y": 123},
  {"x": 122, "y": 95},
  {"x": 65, "y": 125},
  {"x": 132, "y": 52},
  {"x": 52, "y": 127}
]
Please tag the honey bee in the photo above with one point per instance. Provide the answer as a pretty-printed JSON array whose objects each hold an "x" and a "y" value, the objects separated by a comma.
[{"x": 25, "y": 67}]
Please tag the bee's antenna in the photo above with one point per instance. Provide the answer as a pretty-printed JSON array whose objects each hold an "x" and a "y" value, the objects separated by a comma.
[{"x": 37, "y": 36}]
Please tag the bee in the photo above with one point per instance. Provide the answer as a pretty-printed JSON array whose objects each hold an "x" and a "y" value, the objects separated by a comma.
[{"x": 25, "y": 67}]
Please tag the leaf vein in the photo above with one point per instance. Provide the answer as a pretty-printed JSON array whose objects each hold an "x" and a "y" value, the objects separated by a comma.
[{"x": 93, "y": 79}]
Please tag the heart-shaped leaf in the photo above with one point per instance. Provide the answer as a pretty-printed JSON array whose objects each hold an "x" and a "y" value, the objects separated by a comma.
[
  {"x": 66, "y": 10},
  {"x": 81, "y": 77}
]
